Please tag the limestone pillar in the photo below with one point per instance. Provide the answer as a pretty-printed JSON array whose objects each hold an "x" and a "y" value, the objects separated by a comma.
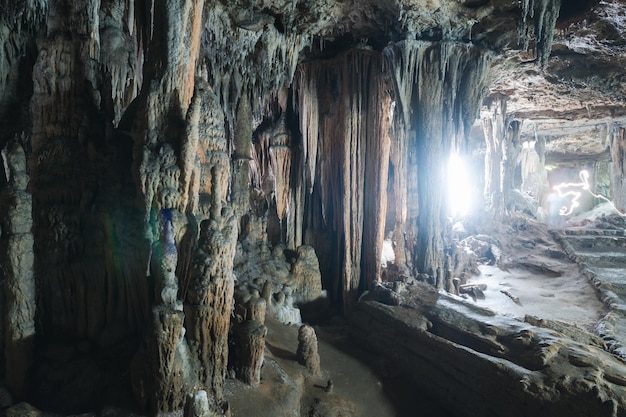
[
  {"x": 16, "y": 260},
  {"x": 208, "y": 304}
]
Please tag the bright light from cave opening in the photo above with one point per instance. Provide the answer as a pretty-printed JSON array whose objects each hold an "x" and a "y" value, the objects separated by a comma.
[{"x": 460, "y": 190}]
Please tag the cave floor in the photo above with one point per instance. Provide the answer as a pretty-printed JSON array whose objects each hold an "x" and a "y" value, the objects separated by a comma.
[
  {"x": 537, "y": 276},
  {"x": 517, "y": 292},
  {"x": 363, "y": 384}
]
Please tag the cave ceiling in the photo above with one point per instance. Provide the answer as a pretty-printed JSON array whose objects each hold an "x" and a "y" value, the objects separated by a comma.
[
  {"x": 574, "y": 89},
  {"x": 580, "y": 82}
]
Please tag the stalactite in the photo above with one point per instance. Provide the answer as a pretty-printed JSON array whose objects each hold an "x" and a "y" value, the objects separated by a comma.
[
  {"x": 204, "y": 147},
  {"x": 16, "y": 272},
  {"x": 512, "y": 147},
  {"x": 18, "y": 11},
  {"x": 376, "y": 175},
  {"x": 262, "y": 57},
  {"x": 438, "y": 90},
  {"x": 168, "y": 98},
  {"x": 494, "y": 130},
  {"x": 281, "y": 156},
  {"x": 119, "y": 48},
  {"x": 241, "y": 158},
  {"x": 544, "y": 14},
  {"x": 309, "y": 123}
]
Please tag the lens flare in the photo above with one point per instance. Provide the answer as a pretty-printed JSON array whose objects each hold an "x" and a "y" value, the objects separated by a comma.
[{"x": 575, "y": 189}]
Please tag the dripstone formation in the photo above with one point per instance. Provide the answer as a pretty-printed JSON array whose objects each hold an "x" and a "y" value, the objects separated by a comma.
[{"x": 181, "y": 178}]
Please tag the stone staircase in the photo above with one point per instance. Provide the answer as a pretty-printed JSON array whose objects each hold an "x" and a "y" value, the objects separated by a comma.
[{"x": 601, "y": 255}]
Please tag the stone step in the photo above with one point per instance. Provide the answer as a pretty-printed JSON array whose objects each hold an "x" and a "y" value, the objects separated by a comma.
[
  {"x": 575, "y": 231},
  {"x": 596, "y": 241},
  {"x": 602, "y": 259},
  {"x": 610, "y": 279}
]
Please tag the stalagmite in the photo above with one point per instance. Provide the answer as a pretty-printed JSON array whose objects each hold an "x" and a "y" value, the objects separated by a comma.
[
  {"x": 306, "y": 275},
  {"x": 16, "y": 271},
  {"x": 256, "y": 309},
  {"x": 249, "y": 338},
  {"x": 165, "y": 258},
  {"x": 198, "y": 405},
  {"x": 307, "y": 349},
  {"x": 162, "y": 384},
  {"x": 169, "y": 378}
]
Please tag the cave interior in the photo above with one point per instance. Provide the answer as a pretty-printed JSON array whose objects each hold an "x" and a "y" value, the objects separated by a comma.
[{"x": 313, "y": 208}]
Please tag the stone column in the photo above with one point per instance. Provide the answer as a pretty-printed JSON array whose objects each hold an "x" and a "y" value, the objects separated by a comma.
[
  {"x": 16, "y": 260},
  {"x": 503, "y": 148},
  {"x": 170, "y": 386},
  {"x": 208, "y": 304}
]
